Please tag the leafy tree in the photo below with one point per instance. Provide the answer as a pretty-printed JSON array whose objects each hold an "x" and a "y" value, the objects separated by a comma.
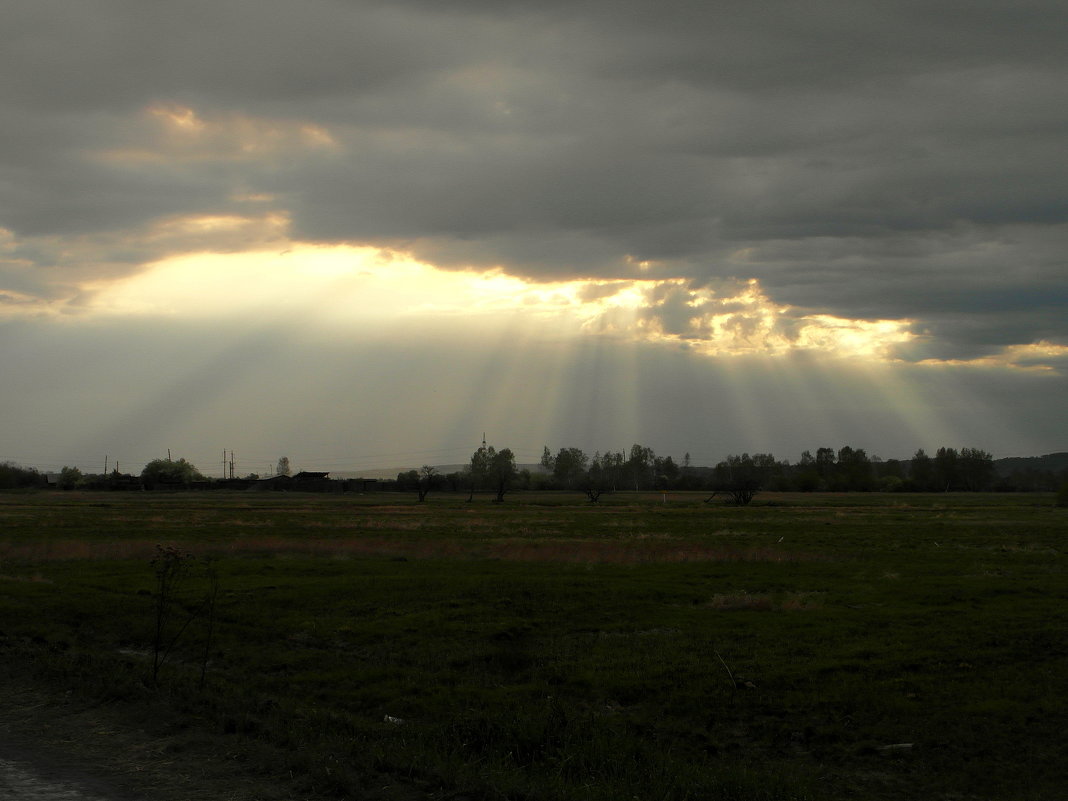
[
  {"x": 12, "y": 475},
  {"x": 408, "y": 480},
  {"x": 767, "y": 471},
  {"x": 976, "y": 469},
  {"x": 69, "y": 478},
  {"x": 825, "y": 465},
  {"x": 639, "y": 466},
  {"x": 494, "y": 469},
  {"x": 946, "y": 469},
  {"x": 853, "y": 471},
  {"x": 806, "y": 476},
  {"x": 569, "y": 467},
  {"x": 738, "y": 477},
  {"x": 422, "y": 481},
  {"x": 614, "y": 466},
  {"x": 666, "y": 469},
  {"x": 166, "y": 471},
  {"x": 689, "y": 478},
  {"x": 890, "y": 484},
  {"x": 889, "y": 468},
  {"x": 283, "y": 468},
  {"x": 547, "y": 460},
  {"x": 526, "y": 480},
  {"x": 478, "y": 470},
  {"x": 501, "y": 471},
  {"x": 598, "y": 478},
  {"x": 921, "y": 471},
  {"x": 458, "y": 480}
]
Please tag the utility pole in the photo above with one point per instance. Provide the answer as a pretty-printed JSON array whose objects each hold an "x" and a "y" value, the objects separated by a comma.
[
  {"x": 105, "y": 464},
  {"x": 168, "y": 454}
]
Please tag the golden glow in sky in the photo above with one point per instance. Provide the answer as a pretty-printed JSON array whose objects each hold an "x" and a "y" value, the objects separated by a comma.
[
  {"x": 356, "y": 287},
  {"x": 247, "y": 263},
  {"x": 330, "y": 287}
]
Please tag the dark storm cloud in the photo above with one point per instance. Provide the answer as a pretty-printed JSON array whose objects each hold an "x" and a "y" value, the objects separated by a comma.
[{"x": 879, "y": 160}]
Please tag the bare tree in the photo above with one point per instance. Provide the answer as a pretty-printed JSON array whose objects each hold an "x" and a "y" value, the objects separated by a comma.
[
  {"x": 186, "y": 589},
  {"x": 428, "y": 480}
]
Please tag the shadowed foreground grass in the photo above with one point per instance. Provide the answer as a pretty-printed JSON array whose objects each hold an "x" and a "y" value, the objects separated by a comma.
[{"x": 822, "y": 646}]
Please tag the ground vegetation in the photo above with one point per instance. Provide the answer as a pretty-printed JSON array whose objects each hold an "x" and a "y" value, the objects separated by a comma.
[{"x": 807, "y": 645}]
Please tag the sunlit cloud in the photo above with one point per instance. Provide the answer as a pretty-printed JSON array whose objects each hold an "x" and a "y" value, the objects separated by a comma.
[
  {"x": 234, "y": 264},
  {"x": 355, "y": 286},
  {"x": 1039, "y": 357},
  {"x": 358, "y": 284},
  {"x": 742, "y": 320},
  {"x": 172, "y": 134}
]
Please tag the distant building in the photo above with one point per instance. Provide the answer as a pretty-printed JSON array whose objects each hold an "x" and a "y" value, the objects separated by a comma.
[{"x": 304, "y": 481}]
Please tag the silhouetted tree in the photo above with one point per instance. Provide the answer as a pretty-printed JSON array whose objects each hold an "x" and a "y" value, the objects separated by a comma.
[
  {"x": 478, "y": 470},
  {"x": 569, "y": 467},
  {"x": 427, "y": 480},
  {"x": 889, "y": 474},
  {"x": 598, "y": 477},
  {"x": 492, "y": 468},
  {"x": 806, "y": 475},
  {"x": 976, "y": 469},
  {"x": 166, "y": 471},
  {"x": 547, "y": 460},
  {"x": 921, "y": 472},
  {"x": 501, "y": 471},
  {"x": 640, "y": 466},
  {"x": 946, "y": 469},
  {"x": 69, "y": 478},
  {"x": 12, "y": 475},
  {"x": 736, "y": 477},
  {"x": 666, "y": 470},
  {"x": 853, "y": 470},
  {"x": 825, "y": 466}
]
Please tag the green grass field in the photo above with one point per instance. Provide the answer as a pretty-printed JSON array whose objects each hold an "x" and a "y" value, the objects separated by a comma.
[{"x": 858, "y": 646}]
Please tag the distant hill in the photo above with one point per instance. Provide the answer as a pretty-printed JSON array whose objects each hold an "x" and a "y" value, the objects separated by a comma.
[
  {"x": 391, "y": 472},
  {"x": 1051, "y": 462},
  {"x": 443, "y": 469}
]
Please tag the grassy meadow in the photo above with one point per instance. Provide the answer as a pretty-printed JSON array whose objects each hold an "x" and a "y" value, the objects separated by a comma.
[{"x": 820, "y": 646}]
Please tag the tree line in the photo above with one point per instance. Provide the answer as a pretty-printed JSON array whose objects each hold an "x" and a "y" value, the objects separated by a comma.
[{"x": 738, "y": 476}]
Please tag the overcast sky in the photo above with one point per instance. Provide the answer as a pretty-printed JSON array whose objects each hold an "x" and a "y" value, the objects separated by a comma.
[{"x": 362, "y": 233}]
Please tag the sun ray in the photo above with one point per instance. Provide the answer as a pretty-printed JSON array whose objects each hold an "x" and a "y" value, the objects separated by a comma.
[{"x": 570, "y": 359}]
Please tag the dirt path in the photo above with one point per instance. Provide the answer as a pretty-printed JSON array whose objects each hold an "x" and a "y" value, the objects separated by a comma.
[
  {"x": 21, "y": 781},
  {"x": 54, "y": 747}
]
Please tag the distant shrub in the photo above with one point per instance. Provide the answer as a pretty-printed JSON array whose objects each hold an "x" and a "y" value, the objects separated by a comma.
[
  {"x": 891, "y": 484},
  {"x": 165, "y": 471},
  {"x": 69, "y": 478},
  {"x": 1062, "y": 495},
  {"x": 808, "y": 481},
  {"x": 13, "y": 475}
]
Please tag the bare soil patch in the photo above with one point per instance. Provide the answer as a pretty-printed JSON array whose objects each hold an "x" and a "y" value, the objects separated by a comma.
[{"x": 123, "y": 753}]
